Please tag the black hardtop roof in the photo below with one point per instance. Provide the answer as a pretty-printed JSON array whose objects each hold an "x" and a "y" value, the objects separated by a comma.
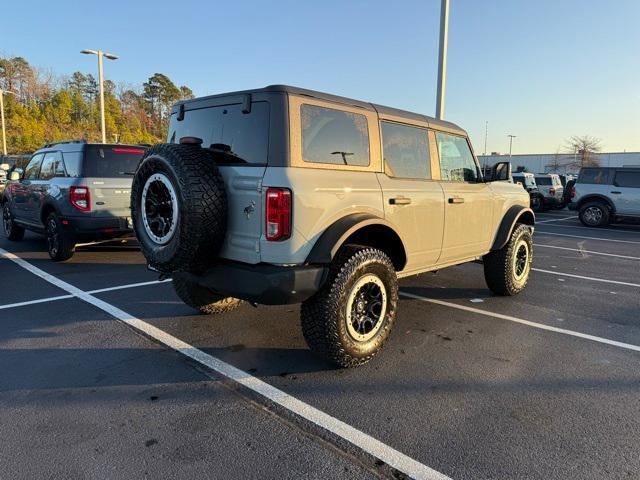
[
  {"x": 434, "y": 122},
  {"x": 79, "y": 145}
]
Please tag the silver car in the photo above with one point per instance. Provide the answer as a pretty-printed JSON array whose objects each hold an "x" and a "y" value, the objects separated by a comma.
[
  {"x": 72, "y": 192},
  {"x": 550, "y": 186},
  {"x": 605, "y": 195}
]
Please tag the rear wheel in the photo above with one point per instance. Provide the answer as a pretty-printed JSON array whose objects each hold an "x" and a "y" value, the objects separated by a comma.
[
  {"x": 537, "y": 203},
  {"x": 202, "y": 299},
  {"x": 11, "y": 230},
  {"x": 594, "y": 214},
  {"x": 507, "y": 270},
  {"x": 60, "y": 244},
  {"x": 350, "y": 318}
]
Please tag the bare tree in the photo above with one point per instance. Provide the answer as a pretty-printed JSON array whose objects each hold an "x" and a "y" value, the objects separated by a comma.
[{"x": 584, "y": 150}]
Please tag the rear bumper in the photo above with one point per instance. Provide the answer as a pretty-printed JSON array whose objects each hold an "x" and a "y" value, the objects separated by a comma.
[
  {"x": 97, "y": 228},
  {"x": 263, "y": 283}
]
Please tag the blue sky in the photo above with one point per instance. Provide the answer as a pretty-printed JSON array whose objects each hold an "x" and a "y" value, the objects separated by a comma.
[{"x": 542, "y": 70}]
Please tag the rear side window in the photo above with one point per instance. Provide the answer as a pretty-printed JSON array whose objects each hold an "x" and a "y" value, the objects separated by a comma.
[
  {"x": 546, "y": 181},
  {"x": 456, "y": 160},
  {"x": 334, "y": 136},
  {"x": 406, "y": 151},
  {"x": 595, "y": 176},
  {"x": 73, "y": 163},
  {"x": 33, "y": 167},
  {"x": 627, "y": 179},
  {"x": 111, "y": 161},
  {"x": 239, "y": 138}
]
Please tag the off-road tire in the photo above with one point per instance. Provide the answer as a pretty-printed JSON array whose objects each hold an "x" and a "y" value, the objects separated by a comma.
[
  {"x": 202, "y": 208},
  {"x": 499, "y": 269},
  {"x": 60, "y": 243},
  {"x": 605, "y": 215},
  {"x": 203, "y": 300},
  {"x": 324, "y": 316},
  {"x": 12, "y": 231}
]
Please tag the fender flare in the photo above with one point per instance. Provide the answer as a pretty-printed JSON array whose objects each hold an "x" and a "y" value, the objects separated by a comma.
[
  {"x": 515, "y": 213},
  {"x": 328, "y": 244},
  {"x": 48, "y": 204}
]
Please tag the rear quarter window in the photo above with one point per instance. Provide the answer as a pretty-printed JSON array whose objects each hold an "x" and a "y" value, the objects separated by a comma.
[
  {"x": 629, "y": 179},
  {"x": 235, "y": 137},
  {"x": 544, "y": 181}
]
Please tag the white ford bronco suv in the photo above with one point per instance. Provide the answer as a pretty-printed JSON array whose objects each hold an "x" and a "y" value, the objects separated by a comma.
[{"x": 284, "y": 195}]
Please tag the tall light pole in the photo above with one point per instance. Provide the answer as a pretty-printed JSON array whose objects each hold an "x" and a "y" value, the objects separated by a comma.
[
  {"x": 4, "y": 134},
  {"x": 110, "y": 56},
  {"x": 442, "y": 58},
  {"x": 511, "y": 137}
]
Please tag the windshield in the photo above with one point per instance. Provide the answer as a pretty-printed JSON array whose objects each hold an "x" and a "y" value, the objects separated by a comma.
[{"x": 111, "y": 160}]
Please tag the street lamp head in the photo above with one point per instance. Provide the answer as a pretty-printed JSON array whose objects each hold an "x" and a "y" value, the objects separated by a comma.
[
  {"x": 89, "y": 52},
  {"x": 111, "y": 56}
]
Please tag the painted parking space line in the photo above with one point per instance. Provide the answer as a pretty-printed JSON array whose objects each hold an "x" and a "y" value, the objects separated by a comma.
[
  {"x": 593, "y": 229},
  {"x": 33, "y": 302},
  {"x": 522, "y": 321},
  {"x": 555, "y": 219},
  {"x": 366, "y": 443},
  {"x": 582, "y": 277},
  {"x": 582, "y": 237},
  {"x": 65, "y": 297},
  {"x": 582, "y": 250}
]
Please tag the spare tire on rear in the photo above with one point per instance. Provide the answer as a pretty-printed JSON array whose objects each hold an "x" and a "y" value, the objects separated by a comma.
[{"x": 179, "y": 208}]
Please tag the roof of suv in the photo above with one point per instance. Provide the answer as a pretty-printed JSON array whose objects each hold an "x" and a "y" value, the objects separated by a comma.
[
  {"x": 338, "y": 99},
  {"x": 79, "y": 145}
]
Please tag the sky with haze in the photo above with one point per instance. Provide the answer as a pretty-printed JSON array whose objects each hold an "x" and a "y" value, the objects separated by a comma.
[{"x": 541, "y": 70}]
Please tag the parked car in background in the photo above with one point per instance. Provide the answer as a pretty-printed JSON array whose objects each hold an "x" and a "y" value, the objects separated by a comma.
[
  {"x": 528, "y": 182},
  {"x": 72, "y": 192},
  {"x": 550, "y": 187},
  {"x": 607, "y": 194}
]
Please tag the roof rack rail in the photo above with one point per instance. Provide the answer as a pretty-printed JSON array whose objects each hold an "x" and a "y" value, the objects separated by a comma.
[{"x": 49, "y": 145}]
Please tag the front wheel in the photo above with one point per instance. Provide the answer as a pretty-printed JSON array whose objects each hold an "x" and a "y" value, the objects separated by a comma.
[
  {"x": 507, "y": 270},
  {"x": 60, "y": 244},
  {"x": 11, "y": 230},
  {"x": 203, "y": 300},
  {"x": 350, "y": 318}
]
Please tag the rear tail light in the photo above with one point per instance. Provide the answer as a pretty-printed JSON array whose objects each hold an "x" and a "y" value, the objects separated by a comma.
[
  {"x": 80, "y": 199},
  {"x": 278, "y": 214},
  {"x": 573, "y": 191}
]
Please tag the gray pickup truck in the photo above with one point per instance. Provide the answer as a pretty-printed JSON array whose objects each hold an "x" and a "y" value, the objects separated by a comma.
[{"x": 72, "y": 192}]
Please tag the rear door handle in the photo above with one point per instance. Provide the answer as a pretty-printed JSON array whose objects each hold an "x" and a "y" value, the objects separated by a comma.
[
  {"x": 399, "y": 201},
  {"x": 616, "y": 192},
  {"x": 456, "y": 200}
]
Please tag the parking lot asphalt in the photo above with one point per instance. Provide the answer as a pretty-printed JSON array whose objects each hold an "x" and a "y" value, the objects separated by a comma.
[{"x": 542, "y": 385}]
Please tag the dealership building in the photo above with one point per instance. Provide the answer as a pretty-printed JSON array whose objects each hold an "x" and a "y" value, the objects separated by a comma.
[{"x": 547, "y": 162}]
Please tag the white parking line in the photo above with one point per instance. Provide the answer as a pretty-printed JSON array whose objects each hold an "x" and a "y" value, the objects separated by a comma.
[
  {"x": 593, "y": 229},
  {"x": 593, "y": 279},
  {"x": 64, "y": 297},
  {"x": 510, "y": 318},
  {"x": 539, "y": 232},
  {"x": 376, "y": 448},
  {"x": 555, "y": 219},
  {"x": 582, "y": 250}
]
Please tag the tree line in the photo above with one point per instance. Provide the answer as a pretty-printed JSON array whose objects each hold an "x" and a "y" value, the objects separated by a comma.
[{"x": 47, "y": 107}]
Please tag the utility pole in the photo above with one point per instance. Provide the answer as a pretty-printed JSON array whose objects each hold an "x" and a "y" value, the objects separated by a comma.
[
  {"x": 4, "y": 133},
  {"x": 486, "y": 133},
  {"x": 511, "y": 137},
  {"x": 442, "y": 58},
  {"x": 110, "y": 56}
]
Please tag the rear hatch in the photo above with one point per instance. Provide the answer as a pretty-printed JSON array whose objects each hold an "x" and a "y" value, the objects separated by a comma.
[
  {"x": 108, "y": 172},
  {"x": 239, "y": 141}
]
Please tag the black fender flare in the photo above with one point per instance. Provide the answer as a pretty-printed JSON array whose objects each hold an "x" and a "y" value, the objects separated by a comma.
[
  {"x": 515, "y": 214},
  {"x": 328, "y": 244},
  {"x": 48, "y": 204},
  {"x": 596, "y": 198}
]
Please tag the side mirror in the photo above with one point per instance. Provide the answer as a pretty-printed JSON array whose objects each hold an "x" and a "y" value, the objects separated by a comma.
[
  {"x": 14, "y": 176},
  {"x": 501, "y": 172}
]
